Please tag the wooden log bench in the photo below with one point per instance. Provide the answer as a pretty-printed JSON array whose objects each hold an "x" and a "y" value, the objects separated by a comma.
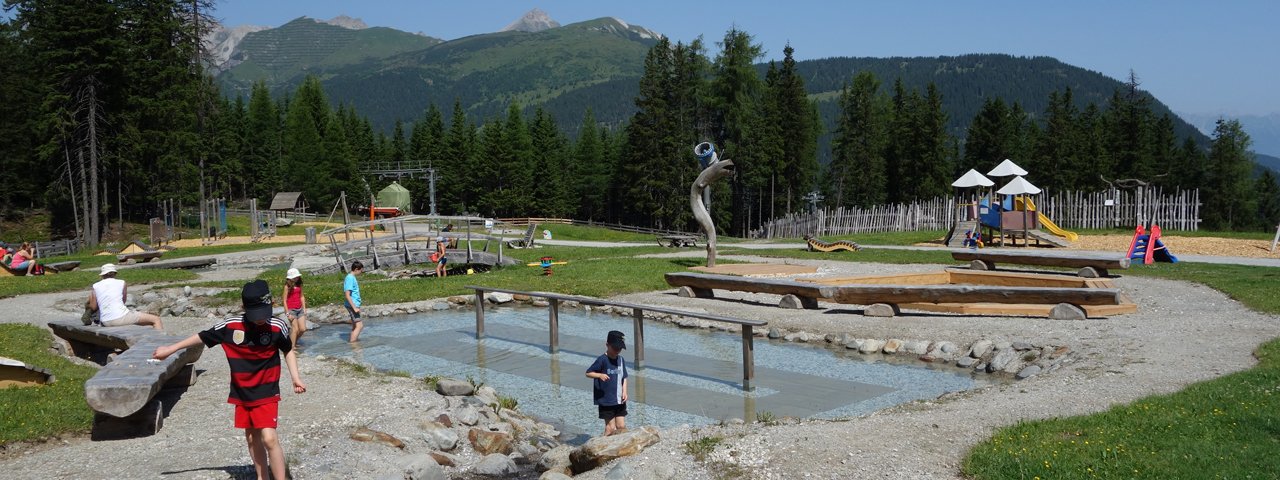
[
  {"x": 140, "y": 257},
  {"x": 886, "y": 300},
  {"x": 181, "y": 263},
  {"x": 1090, "y": 265},
  {"x": 123, "y": 392},
  {"x": 66, "y": 266},
  {"x": 676, "y": 241},
  {"x": 794, "y": 294}
]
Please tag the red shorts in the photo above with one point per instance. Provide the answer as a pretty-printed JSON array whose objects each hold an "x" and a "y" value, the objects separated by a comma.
[{"x": 257, "y": 416}]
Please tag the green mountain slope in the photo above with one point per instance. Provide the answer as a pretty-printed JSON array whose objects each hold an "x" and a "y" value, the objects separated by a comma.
[{"x": 283, "y": 56}]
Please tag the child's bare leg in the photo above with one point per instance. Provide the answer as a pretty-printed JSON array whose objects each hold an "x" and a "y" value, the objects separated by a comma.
[
  {"x": 608, "y": 428},
  {"x": 355, "y": 330},
  {"x": 619, "y": 424},
  {"x": 257, "y": 451},
  {"x": 275, "y": 452}
]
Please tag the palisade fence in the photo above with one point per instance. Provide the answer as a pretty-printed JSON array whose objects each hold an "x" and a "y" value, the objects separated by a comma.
[{"x": 1113, "y": 208}]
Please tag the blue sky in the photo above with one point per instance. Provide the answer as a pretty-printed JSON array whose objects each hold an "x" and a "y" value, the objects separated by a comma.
[{"x": 1196, "y": 56}]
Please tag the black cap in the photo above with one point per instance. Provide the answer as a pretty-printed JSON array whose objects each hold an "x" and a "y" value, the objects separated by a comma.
[
  {"x": 615, "y": 340},
  {"x": 256, "y": 298}
]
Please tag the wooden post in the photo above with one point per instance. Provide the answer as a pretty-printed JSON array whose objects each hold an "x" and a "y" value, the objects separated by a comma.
[
  {"x": 479, "y": 314},
  {"x": 748, "y": 358},
  {"x": 404, "y": 241},
  {"x": 554, "y": 310},
  {"x": 637, "y": 322},
  {"x": 337, "y": 255},
  {"x": 1275, "y": 239}
]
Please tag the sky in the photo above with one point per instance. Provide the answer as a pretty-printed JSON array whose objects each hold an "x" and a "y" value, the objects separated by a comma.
[{"x": 1196, "y": 56}]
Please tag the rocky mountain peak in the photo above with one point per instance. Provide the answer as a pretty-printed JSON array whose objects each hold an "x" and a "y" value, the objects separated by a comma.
[
  {"x": 347, "y": 22},
  {"x": 534, "y": 20}
]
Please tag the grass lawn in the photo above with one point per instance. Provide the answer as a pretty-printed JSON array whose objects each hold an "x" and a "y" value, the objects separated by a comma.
[
  {"x": 82, "y": 279},
  {"x": 1228, "y": 427},
  {"x": 48, "y": 410}
]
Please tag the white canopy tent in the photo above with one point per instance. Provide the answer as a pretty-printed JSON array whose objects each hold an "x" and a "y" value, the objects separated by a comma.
[
  {"x": 1018, "y": 186},
  {"x": 1007, "y": 168},
  {"x": 972, "y": 179}
]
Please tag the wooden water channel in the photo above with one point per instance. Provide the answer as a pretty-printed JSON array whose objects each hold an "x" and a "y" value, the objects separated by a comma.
[{"x": 637, "y": 315}]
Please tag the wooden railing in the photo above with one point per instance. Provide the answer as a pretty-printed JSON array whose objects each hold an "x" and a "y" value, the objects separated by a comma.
[
  {"x": 637, "y": 313},
  {"x": 589, "y": 223}
]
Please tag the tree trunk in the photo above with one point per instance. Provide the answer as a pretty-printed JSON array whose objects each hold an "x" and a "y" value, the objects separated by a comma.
[
  {"x": 95, "y": 208},
  {"x": 84, "y": 194},
  {"x": 71, "y": 182}
]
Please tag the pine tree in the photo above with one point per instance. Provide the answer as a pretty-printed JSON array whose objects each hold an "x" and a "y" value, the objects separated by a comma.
[
  {"x": 1228, "y": 196},
  {"x": 590, "y": 167},
  {"x": 735, "y": 99},
  {"x": 1267, "y": 191},
  {"x": 457, "y": 184},
  {"x": 857, "y": 175}
]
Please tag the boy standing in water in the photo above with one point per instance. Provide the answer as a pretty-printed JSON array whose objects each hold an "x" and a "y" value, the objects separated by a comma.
[
  {"x": 253, "y": 342},
  {"x": 610, "y": 375},
  {"x": 351, "y": 296}
]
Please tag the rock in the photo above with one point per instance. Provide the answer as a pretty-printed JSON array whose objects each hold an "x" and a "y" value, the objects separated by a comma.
[
  {"x": 980, "y": 348},
  {"x": 980, "y": 367},
  {"x": 892, "y": 346},
  {"x": 540, "y": 302},
  {"x": 1002, "y": 359},
  {"x": 528, "y": 453},
  {"x": 186, "y": 291},
  {"x": 520, "y": 297},
  {"x": 486, "y": 442},
  {"x": 853, "y": 344},
  {"x": 556, "y": 457},
  {"x": 550, "y": 475},
  {"x": 467, "y": 416},
  {"x": 1003, "y": 345},
  {"x": 793, "y": 302},
  {"x": 453, "y": 388},
  {"x": 946, "y": 347},
  {"x": 1028, "y": 372},
  {"x": 498, "y": 297},
  {"x": 599, "y": 450},
  {"x": 870, "y": 345},
  {"x": 151, "y": 297},
  {"x": 487, "y": 395},
  {"x": 495, "y": 465},
  {"x": 439, "y": 306},
  {"x": 775, "y": 333},
  {"x": 1021, "y": 346},
  {"x": 444, "y": 419},
  {"x": 1066, "y": 311},
  {"x": 439, "y": 436},
  {"x": 421, "y": 467},
  {"x": 881, "y": 310},
  {"x": 966, "y": 362},
  {"x": 444, "y": 459},
  {"x": 796, "y": 337},
  {"x": 365, "y": 434},
  {"x": 459, "y": 299},
  {"x": 916, "y": 347},
  {"x": 832, "y": 338}
]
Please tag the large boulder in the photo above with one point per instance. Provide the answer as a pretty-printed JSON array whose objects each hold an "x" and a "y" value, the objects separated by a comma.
[
  {"x": 599, "y": 450},
  {"x": 439, "y": 436},
  {"x": 366, "y": 434},
  {"x": 486, "y": 442},
  {"x": 420, "y": 467},
  {"x": 452, "y": 387},
  {"x": 556, "y": 460},
  {"x": 495, "y": 465}
]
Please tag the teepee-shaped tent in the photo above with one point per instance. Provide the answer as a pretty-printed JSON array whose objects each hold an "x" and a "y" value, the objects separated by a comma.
[{"x": 1006, "y": 168}]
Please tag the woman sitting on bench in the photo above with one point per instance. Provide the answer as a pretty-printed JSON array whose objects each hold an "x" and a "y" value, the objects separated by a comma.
[
  {"x": 24, "y": 261},
  {"x": 108, "y": 297}
]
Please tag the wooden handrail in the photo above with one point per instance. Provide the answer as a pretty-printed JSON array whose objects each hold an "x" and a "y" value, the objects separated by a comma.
[{"x": 637, "y": 311}]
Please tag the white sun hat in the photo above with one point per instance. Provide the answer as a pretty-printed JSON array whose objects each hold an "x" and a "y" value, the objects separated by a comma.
[
  {"x": 107, "y": 268},
  {"x": 292, "y": 273}
]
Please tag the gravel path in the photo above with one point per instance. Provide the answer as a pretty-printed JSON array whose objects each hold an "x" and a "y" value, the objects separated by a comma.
[{"x": 1183, "y": 333}]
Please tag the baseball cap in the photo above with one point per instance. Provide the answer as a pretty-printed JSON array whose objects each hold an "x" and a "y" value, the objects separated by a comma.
[
  {"x": 107, "y": 268},
  {"x": 256, "y": 298},
  {"x": 293, "y": 273},
  {"x": 615, "y": 340}
]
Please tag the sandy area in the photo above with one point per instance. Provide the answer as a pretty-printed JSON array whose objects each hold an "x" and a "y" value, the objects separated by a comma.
[{"x": 1226, "y": 247}]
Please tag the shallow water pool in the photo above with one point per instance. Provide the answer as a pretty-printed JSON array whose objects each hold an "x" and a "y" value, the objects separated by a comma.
[{"x": 690, "y": 376}]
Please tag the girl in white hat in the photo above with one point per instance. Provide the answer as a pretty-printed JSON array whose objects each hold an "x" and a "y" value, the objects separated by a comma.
[
  {"x": 295, "y": 304},
  {"x": 108, "y": 299}
]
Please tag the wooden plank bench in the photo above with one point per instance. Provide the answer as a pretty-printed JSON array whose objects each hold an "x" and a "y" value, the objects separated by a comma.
[
  {"x": 66, "y": 266},
  {"x": 676, "y": 241},
  {"x": 887, "y": 300},
  {"x": 122, "y": 393},
  {"x": 1091, "y": 265},
  {"x": 180, "y": 263},
  {"x": 140, "y": 257},
  {"x": 794, "y": 294}
]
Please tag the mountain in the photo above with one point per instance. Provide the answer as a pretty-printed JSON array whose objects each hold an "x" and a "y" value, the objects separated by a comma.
[
  {"x": 221, "y": 42},
  {"x": 283, "y": 56},
  {"x": 1263, "y": 129},
  {"x": 533, "y": 21}
]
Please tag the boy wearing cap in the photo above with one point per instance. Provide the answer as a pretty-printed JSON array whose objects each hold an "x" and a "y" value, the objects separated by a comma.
[
  {"x": 108, "y": 297},
  {"x": 610, "y": 374},
  {"x": 295, "y": 304},
  {"x": 253, "y": 342}
]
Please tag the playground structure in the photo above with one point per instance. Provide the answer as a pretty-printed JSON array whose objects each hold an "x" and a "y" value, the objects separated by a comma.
[
  {"x": 407, "y": 240},
  {"x": 545, "y": 263},
  {"x": 713, "y": 168},
  {"x": 1016, "y": 216},
  {"x": 1148, "y": 247},
  {"x": 948, "y": 291},
  {"x": 817, "y": 245}
]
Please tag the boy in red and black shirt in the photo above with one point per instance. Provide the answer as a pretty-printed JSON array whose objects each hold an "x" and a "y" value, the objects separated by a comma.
[{"x": 253, "y": 343}]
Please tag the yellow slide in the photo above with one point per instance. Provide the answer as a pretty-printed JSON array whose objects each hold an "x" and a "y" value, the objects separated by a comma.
[{"x": 1047, "y": 224}]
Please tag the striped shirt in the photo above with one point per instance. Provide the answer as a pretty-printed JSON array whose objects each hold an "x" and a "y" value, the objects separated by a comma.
[{"x": 253, "y": 353}]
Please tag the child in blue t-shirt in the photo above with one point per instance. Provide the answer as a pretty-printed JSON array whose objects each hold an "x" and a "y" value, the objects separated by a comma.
[
  {"x": 610, "y": 375},
  {"x": 351, "y": 300}
]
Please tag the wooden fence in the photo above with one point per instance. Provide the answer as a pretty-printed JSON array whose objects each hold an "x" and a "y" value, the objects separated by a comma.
[
  {"x": 589, "y": 223},
  {"x": 1179, "y": 210}
]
